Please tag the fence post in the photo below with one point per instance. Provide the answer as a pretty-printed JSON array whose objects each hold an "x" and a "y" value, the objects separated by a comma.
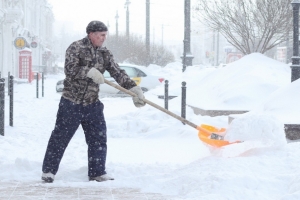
[
  {"x": 166, "y": 94},
  {"x": 37, "y": 85},
  {"x": 42, "y": 84},
  {"x": 11, "y": 101},
  {"x": 183, "y": 100},
  {"x": 2, "y": 94}
]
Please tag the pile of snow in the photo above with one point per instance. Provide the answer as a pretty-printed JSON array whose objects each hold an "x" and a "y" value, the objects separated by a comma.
[
  {"x": 264, "y": 128},
  {"x": 282, "y": 104},
  {"x": 241, "y": 85},
  {"x": 173, "y": 73},
  {"x": 253, "y": 131}
]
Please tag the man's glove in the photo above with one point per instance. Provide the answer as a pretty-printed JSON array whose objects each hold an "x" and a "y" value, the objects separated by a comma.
[
  {"x": 138, "y": 102},
  {"x": 96, "y": 75}
]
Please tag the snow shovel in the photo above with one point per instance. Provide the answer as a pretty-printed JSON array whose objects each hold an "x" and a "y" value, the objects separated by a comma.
[{"x": 208, "y": 134}]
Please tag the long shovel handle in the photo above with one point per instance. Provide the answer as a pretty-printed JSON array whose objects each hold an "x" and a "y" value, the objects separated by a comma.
[{"x": 155, "y": 106}]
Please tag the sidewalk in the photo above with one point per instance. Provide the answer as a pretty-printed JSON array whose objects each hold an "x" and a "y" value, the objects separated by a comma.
[{"x": 47, "y": 191}]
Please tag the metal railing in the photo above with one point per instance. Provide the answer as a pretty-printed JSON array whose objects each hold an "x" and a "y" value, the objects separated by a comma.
[
  {"x": 183, "y": 97},
  {"x": 10, "y": 91}
]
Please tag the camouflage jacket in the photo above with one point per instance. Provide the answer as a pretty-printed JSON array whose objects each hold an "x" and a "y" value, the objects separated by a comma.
[{"x": 81, "y": 56}]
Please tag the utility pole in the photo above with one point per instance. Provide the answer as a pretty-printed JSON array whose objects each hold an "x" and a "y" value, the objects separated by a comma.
[
  {"x": 117, "y": 25},
  {"x": 148, "y": 31},
  {"x": 187, "y": 33},
  {"x": 127, "y": 18}
]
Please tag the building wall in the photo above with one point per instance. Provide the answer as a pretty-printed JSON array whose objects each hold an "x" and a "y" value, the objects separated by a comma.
[
  {"x": 31, "y": 19},
  {"x": 206, "y": 46}
]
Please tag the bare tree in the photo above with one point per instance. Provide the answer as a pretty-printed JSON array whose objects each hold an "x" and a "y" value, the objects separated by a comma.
[
  {"x": 134, "y": 51},
  {"x": 248, "y": 25}
]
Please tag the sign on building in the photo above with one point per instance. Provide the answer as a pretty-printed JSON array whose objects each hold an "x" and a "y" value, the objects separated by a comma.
[
  {"x": 20, "y": 43},
  {"x": 33, "y": 44},
  {"x": 231, "y": 57},
  {"x": 281, "y": 54}
]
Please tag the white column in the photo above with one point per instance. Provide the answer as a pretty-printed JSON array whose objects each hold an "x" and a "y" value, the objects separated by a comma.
[{"x": 7, "y": 49}]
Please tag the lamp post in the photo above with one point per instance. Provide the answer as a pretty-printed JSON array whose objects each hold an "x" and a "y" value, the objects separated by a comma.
[
  {"x": 117, "y": 35},
  {"x": 187, "y": 33},
  {"x": 184, "y": 56},
  {"x": 127, "y": 18},
  {"x": 117, "y": 26},
  {"x": 148, "y": 32},
  {"x": 295, "y": 67}
]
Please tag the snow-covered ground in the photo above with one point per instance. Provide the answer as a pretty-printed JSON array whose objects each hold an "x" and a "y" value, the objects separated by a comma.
[{"x": 154, "y": 152}]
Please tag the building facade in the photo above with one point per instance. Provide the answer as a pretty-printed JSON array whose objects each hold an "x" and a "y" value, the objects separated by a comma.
[{"x": 29, "y": 19}]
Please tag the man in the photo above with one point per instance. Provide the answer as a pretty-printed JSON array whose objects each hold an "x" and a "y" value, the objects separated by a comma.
[{"x": 85, "y": 62}]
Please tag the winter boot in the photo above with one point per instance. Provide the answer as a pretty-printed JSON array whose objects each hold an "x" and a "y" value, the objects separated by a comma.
[
  {"x": 104, "y": 177},
  {"x": 48, "y": 177}
]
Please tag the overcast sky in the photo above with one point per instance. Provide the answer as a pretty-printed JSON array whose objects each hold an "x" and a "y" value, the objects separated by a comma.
[{"x": 167, "y": 13}]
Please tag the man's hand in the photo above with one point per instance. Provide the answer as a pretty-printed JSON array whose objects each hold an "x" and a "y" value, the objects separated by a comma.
[
  {"x": 138, "y": 100},
  {"x": 96, "y": 75}
]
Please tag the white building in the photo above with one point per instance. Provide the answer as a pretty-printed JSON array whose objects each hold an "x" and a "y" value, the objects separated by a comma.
[
  {"x": 32, "y": 20},
  {"x": 207, "y": 47}
]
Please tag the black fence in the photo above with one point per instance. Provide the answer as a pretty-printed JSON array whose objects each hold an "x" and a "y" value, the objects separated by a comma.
[
  {"x": 166, "y": 97},
  {"x": 10, "y": 91}
]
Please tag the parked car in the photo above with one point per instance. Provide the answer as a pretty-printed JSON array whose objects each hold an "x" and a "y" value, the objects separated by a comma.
[
  {"x": 139, "y": 74},
  {"x": 60, "y": 86}
]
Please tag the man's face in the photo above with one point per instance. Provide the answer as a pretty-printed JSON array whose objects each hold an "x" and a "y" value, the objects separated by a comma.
[{"x": 98, "y": 38}]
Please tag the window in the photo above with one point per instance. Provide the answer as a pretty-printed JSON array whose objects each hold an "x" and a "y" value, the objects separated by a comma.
[
  {"x": 130, "y": 71},
  {"x": 140, "y": 73}
]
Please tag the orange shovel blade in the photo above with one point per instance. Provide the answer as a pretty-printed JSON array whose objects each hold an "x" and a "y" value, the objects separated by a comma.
[{"x": 205, "y": 132}]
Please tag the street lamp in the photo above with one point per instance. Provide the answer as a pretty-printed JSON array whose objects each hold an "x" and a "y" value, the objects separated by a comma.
[
  {"x": 187, "y": 33},
  {"x": 184, "y": 56},
  {"x": 295, "y": 58},
  {"x": 117, "y": 25},
  {"x": 127, "y": 17}
]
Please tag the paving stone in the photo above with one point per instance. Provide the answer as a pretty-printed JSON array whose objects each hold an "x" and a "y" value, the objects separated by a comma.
[
  {"x": 61, "y": 191},
  {"x": 159, "y": 197},
  {"x": 26, "y": 191},
  {"x": 64, "y": 197},
  {"x": 6, "y": 192},
  {"x": 94, "y": 191},
  {"x": 130, "y": 196},
  {"x": 25, "y": 198},
  {"x": 29, "y": 191},
  {"x": 124, "y": 190},
  {"x": 95, "y": 198}
]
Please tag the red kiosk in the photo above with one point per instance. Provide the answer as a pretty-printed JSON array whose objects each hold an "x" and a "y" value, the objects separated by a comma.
[{"x": 25, "y": 64}]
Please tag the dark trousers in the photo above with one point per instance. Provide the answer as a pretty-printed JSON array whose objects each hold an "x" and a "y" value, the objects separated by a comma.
[{"x": 69, "y": 117}]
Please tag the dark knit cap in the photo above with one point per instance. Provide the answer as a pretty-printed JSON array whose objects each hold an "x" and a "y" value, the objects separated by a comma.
[{"x": 94, "y": 26}]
